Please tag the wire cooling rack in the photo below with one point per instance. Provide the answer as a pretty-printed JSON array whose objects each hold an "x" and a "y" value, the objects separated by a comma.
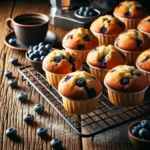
[{"x": 105, "y": 117}]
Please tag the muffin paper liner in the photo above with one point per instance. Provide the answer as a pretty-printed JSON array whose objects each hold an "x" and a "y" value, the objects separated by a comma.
[
  {"x": 130, "y": 56},
  {"x": 125, "y": 99},
  {"x": 80, "y": 106},
  {"x": 81, "y": 54},
  {"x": 146, "y": 73},
  {"x": 105, "y": 39},
  {"x": 146, "y": 33},
  {"x": 129, "y": 23},
  {"x": 97, "y": 72}
]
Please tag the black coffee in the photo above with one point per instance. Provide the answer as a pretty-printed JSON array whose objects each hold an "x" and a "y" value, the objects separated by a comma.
[{"x": 30, "y": 21}]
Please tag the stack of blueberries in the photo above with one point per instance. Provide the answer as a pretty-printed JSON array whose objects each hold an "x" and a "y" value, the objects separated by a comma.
[
  {"x": 38, "y": 52},
  {"x": 87, "y": 12}
]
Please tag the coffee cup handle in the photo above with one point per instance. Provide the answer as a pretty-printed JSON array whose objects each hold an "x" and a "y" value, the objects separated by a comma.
[{"x": 8, "y": 22}]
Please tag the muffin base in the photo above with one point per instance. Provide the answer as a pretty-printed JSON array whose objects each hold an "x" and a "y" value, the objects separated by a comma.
[
  {"x": 130, "y": 56},
  {"x": 105, "y": 39},
  {"x": 97, "y": 72},
  {"x": 80, "y": 106},
  {"x": 129, "y": 23},
  {"x": 125, "y": 99}
]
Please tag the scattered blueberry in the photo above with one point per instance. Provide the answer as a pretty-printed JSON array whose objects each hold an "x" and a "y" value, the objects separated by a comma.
[
  {"x": 135, "y": 130},
  {"x": 47, "y": 46},
  {"x": 144, "y": 134},
  {"x": 145, "y": 124},
  {"x": 35, "y": 47},
  {"x": 11, "y": 132},
  {"x": 13, "y": 83},
  {"x": 36, "y": 59},
  {"x": 39, "y": 108},
  {"x": 41, "y": 48},
  {"x": 42, "y": 43},
  {"x": 8, "y": 74},
  {"x": 14, "y": 61},
  {"x": 30, "y": 51},
  {"x": 42, "y": 58},
  {"x": 12, "y": 42},
  {"x": 36, "y": 53},
  {"x": 29, "y": 118},
  {"x": 31, "y": 47},
  {"x": 32, "y": 56},
  {"x": 42, "y": 132},
  {"x": 22, "y": 97},
  {"x": 56, "y": 144}
]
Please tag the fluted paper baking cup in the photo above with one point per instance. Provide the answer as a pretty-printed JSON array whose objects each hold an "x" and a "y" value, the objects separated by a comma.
[
  {"x": 146, "y": 73},
  {"x": 80, "y": 106},
  {"x": 146, "y": 33},
  {"x": 130, "y": 56},
  {"x": 125, "y": 99},
  {"x": 129, "y": 23},
  {"x": 98, "y": 72},
  {"x": 105, "y": 39}
]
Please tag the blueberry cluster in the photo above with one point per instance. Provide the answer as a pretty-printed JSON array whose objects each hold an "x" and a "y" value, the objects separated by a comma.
[
  {"x": 87, "y": 12},
  {"x": 142, "y": 130},
  {"x": 38, "y": 52}
]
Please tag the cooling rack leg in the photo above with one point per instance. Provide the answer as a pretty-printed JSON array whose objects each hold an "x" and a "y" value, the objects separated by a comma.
[{"x": 92, "y": 138}]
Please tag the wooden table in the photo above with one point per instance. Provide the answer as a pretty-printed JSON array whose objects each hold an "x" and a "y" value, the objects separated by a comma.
[{"x": 12, "y": 111}]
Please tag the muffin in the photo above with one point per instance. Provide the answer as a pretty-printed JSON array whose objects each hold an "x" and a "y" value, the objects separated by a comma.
[
  {"x": 144, "y": 26},
  {"x": 107, "y": 28},
  {"x": 58, "y": 63},
  {"x": 80, "y": 92},
  {"x": 80, "y": 42},
  {"x": 126, "y": 85},
  {"x": 143, "y": 63},
  {"x": 130, "y": 12},
  {"x": 104, "y": 58},
  {"x": 132, "y": 42}
]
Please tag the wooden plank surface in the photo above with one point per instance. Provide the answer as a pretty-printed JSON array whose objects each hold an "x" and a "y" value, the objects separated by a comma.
[{"x": 12, "y": 111}]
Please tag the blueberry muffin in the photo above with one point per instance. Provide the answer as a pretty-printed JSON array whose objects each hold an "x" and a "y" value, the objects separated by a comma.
[
  {"x": 132, "y": 43},
  {"x": 130, "y": 12},
  {"x": 144, "y": 26},
  {"x": 104, "y": 58},
  {"x": 80, "y": 92},
  {"x": 59, "y": 63},
  {"x": 143, "y": 63},
  {"x": 107, "y": 28},
  {"x": 80, "y": 41},
  {"x": 126, "y": 85}
]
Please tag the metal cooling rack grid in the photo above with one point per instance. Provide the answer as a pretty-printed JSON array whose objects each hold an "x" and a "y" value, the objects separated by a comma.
[{"x": 105, "y": 117}]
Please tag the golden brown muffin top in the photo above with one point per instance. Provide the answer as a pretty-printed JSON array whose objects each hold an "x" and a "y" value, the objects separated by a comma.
[
  {"x": 107, "y": 24},
  {"x": 132, "y": 40},
  {"x": 80, "y": 39},
  {"x": 130, "y": 10},
  {"x": 144, "y": 25},
  {"x": 106, "y": 57},
  {"x": 79, "y": 85},
  {"x": 61, "y": 62},
  {"x": 126, "y": 79},
  {"x": 143, "y": 60}
]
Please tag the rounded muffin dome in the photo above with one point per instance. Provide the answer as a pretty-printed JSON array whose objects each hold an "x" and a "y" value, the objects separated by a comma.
[
  {"x": 143, "y": 60},
  {"x": 126, "y": 79},
  {"x": 61, "y": 62},
  {"x": 106, "y": 57},
  {"x": 79, "y": 85},
  {"x": 144, "y": 25},
  {"x": 132, "y": 40},
  {"x": 130, "y": 10},
  {"x": 108, "y": 25},
  {"x": 80, "y": 39}
]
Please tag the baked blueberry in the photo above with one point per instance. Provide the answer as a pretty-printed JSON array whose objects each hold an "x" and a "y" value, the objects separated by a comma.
[
  {"x": 102, "y": 62},
  {"x": 128, "y": 14},
  {"x": 125, "y": 81},
  {"x": 57, "y": 59},
  {"x": 11, "y": 132},
  {"x": 42, "y": 132},
  {"x": 13, "y": 83},
  {"x": 81, "y": 47},
  {"x": 47, "y": 46},
  {"x": 91, "y": 93},
  {"x": 39, "y": 108},
  {"x": 93, "y": 77},
  {"x": 35, "y": 47},
  {"x": 70, "y": 37},
  {"x": 56, "y": 144},
  {"x": 41, "y": 48},
  {"x": 30, "y": 51},
  {"x": 86, "y": 38},
  {"x": 144, "y": 134},
  {"x": 135, "y": 73},
  {"x": 36, "y": 59},
  {"x": 81, "y": 82},
  {"x": 12, "y": 41},
  {"x": 135, "y": 131},
  {"x": 67, "y": 78},
  {"x": 103, "y": 30},
  {"x": 145, "y": 59},
  {"x": 8, "y": 74},
  {"x": 145, "y": 124},
  {"x": 29, "y": 118},
  {"x": 14, "y": 61},
  {"x": 112, "y": 70},
  {"x": 42, "y": 43},
  {"x": 42, "y": 58},
  {"x": 138, "y": 43},
  {"x": 148, "y": 20},
  {"x": 22, "y": 97}
]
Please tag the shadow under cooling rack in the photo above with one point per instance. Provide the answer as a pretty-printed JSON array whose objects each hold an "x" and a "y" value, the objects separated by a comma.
[{"x": 105, "y": 117}]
